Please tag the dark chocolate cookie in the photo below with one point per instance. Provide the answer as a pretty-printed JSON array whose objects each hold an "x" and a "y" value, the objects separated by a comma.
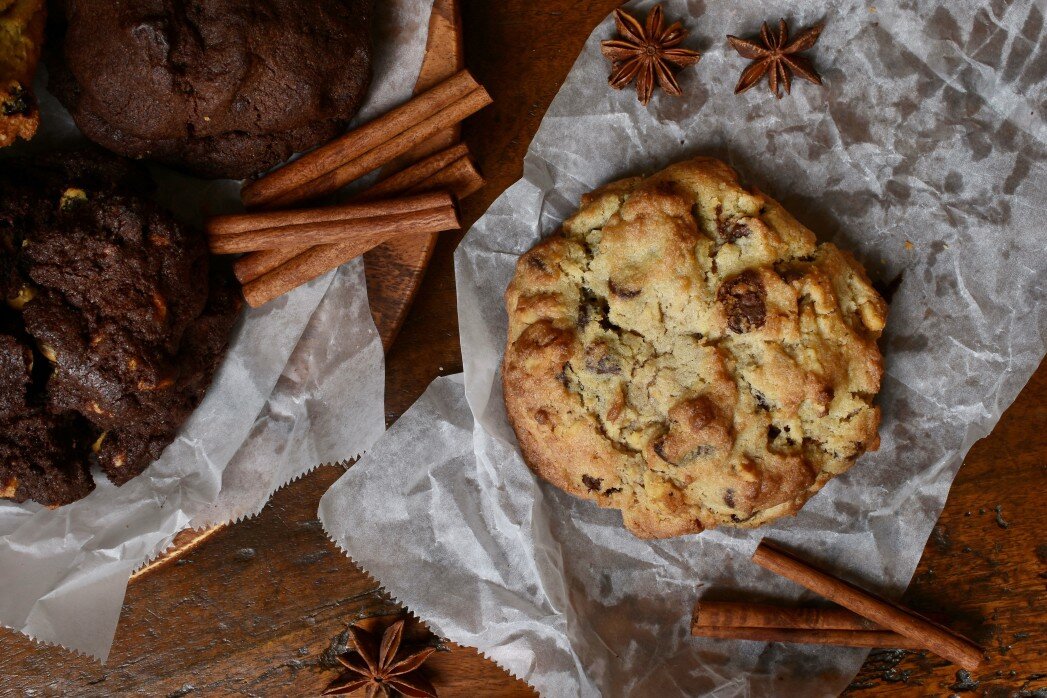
[
  {"x": 42, "y": 456},
  {"x": 220, "y": 88},
  {"x": 122, "y": 317}
]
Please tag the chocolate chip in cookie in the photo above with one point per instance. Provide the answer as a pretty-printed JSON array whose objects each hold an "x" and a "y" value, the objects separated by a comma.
[{"x": 744, "y": 300}]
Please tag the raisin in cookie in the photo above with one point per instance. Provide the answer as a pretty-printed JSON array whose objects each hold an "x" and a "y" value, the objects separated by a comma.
[
  {"x": 684, "y": 351},
  {"x": 114, "y": 323}
]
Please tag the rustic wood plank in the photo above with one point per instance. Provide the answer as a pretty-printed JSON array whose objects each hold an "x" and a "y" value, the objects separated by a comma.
[
  {"x": 183, "y": 544},
  {"x": 260, "y": 608}
]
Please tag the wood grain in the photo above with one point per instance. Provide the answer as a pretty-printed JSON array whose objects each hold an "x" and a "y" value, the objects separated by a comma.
[
  {"x": 395, "y": 269},
  {"x": 260, "y": 608}
]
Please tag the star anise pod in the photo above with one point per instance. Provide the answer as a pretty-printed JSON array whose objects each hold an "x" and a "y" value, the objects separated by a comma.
[
  {"x": 373, "y": 666},
  {"x": 776, "y": 56},
  {"x": 644, "y": 51}
]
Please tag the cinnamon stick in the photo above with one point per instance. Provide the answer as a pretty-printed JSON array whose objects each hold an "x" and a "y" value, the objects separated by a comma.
[
  {"x": 251, "y": 266},
  {"x": 328, "y": 168},
  {"x": 927, "y": 634},
  {"x": 348, "y": 232},
  {"x": 247, "y": 222},
  {"x": 806, "y": 636},
  {"x": 304, "y": 268},
  {"x": 315, "y": 262},
  {"x": 729, "y": 614},
  {"x": 334, "y": 180},
  {"x": 408, "y": 178},
  {"x": 460, "y": 177},
  {"x": 769, "y": 623}
]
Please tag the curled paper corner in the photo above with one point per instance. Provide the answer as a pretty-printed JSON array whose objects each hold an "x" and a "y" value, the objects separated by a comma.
[
  {"x": 44, "y": 623},
  {"x": 406, "y": 606}
]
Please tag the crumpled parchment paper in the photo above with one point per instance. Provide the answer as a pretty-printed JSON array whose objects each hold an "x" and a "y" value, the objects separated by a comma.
[
  {"x": 303, "y": 384},
  {"x": 924, "y": 154}
]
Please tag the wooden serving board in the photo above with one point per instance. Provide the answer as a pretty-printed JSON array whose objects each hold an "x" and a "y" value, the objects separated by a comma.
[{"x": 394, "y": 270}]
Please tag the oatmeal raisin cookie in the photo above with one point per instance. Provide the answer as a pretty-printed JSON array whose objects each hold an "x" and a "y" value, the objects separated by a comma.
[{"x": 686, "y": 352}]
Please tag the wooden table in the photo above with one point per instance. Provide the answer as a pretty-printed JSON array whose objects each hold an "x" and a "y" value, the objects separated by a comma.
[{"x": 261, "y": 608}]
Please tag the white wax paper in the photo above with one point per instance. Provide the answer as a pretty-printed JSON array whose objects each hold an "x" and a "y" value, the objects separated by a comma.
[
  {"x": 924, "y": 154},
  {"x": 303, "y": 384}
]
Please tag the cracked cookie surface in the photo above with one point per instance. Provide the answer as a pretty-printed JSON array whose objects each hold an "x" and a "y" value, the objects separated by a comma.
[
  {"x": 685, "y": 351},
  {"x": 112, "y": 324},
  {"x": 220, "y": 88}
]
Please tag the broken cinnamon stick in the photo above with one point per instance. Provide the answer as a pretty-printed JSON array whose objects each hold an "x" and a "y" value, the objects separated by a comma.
[
  {"x": 769, "y": 623},
  {"x": 925, "y": 633},
  {"x": 408, "y": 178},
  {"x": 460, "y": 177},
  {"x": 303, "y": 269},
  {"x": 807, "y": 636},
  {"x": 330, "y": 167},
  {"x": 732, "y": 614}
]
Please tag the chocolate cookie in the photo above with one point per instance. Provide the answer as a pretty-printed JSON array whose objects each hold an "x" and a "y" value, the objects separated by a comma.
[
  {"x": 113, "y": 307},
  {"x": 42, "y": 456},
  {"x": 220, "y": 88},
  {"x": 685, "y": 351}
]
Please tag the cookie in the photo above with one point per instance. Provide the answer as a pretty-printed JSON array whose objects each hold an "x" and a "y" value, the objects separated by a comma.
[
  {"x": 21, "y": 40},
  {"x": 42, "y": 456},
  {"x": 219, "y": 88},
  {"x": 685, "y": 351},
  {"x": 123, "y": 315}
]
